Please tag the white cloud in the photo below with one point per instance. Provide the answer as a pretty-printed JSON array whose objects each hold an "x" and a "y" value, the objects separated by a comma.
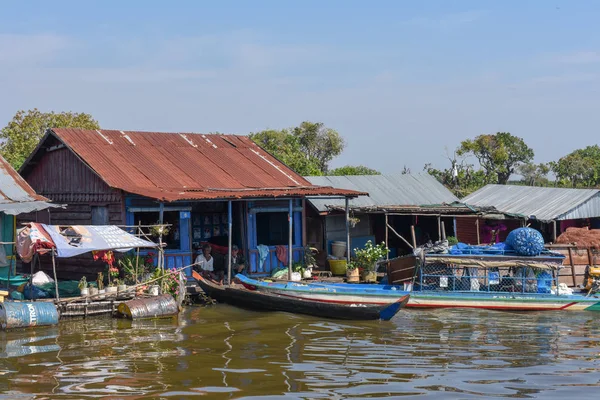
[
  {"x": 22, "y": 49},
  {"x": 579, "y": 57},
  {"x": 448, "y": 21}
]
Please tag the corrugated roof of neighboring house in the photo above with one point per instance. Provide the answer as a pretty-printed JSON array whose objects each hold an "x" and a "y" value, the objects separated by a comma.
[
  {"x": 16, "y": 196},
  {"x": 186, "y": 166},
  {"x": 542, "y": 203},
  {"x": 390, "y": 191}
]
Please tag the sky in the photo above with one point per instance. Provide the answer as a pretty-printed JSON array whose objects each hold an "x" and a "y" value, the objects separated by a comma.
[{"x": 404, "y": 82}]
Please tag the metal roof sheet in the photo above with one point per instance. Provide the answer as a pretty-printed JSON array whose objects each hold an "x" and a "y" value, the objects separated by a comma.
[
  {"x": 16, "y": 196},
  {"x": 542, "y": 203},
  {"x": 390, "y": 190},
  {"x": 187, "y": 166}
]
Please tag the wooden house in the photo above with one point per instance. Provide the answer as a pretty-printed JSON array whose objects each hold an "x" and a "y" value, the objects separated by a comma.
[{"x": 206, "y": 187}]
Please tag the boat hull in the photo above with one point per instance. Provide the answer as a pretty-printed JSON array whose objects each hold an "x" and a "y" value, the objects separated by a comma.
[
  {"x": 257, "y": 300},
  {"x": 377, "y": 294}
]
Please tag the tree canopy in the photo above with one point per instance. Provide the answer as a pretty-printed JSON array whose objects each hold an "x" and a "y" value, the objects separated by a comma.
[
  {"x": 353, "y": 170},
  {"x": 24, "y": 131},
  {"x": 581, "y": 168},
  {"x": 499, "y": 155},
  {"x": 307, "y": 148}
]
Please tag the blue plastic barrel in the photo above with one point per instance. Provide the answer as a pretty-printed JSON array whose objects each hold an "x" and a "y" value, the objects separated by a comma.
[{"x": 25, "y": 314}]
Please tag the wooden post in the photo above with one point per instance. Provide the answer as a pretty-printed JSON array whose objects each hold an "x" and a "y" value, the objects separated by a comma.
[
  {"x": 304, "y": 244},
  {"x": 387, "y": 256},
  {"x": 572, "y": 266},
  {"x": 229, "y": 245},
  {"x": 55, "y": 279},
  {"x": 348, "y": 230},
  {"x": 443, "y": 230},
  {"x": 439, "y": 221},
  {"x": 554, "y": 231},
  {"x": 477, "y": 227},
  {"x": 290, "y": 237},
  {"x": 414, "y": 236},
  {"x": 161, "y": 260}
]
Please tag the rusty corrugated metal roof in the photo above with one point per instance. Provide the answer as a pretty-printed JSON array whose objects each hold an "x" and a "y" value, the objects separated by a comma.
[
  {"x": 188, "y": 166},
  {"x": 16, "y": 196}
]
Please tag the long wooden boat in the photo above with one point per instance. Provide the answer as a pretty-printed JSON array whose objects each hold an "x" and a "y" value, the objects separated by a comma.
[
  {"x": 439, "y": 295},
  {"x": 241, "y": 296}
]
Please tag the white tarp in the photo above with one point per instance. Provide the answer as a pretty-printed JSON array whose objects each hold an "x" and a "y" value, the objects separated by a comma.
[{"x": 74, "y": 240}]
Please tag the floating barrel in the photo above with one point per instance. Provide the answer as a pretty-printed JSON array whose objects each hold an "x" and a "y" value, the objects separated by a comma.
[
  {"x": 149, "y": 307},
  {"x": 25, "y": 314}
]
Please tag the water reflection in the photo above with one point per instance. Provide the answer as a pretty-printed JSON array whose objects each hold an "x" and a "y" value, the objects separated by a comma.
[{"x": 225, "y": 352}]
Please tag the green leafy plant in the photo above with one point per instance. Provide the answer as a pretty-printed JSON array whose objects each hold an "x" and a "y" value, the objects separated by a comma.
[
  {"x": 82, "y": 283},
  {"x": 159, "y": 229},
  {"x": 369, "y": 255},
  {"x": 100, "y": 281},
  {"x": 452, "y": 240},
  {"x": 309, "y": 256},
  {"x": 131, "y": 274},
  {"x": 168, "y": 279},
  {"x": 351, "y": 266}
]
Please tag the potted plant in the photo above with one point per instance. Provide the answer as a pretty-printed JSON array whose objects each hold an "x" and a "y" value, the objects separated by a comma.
[
  {"x": 367, "y": 258},
  {"x": 121, "y": 286},
  {"x": 158, "y": 230},
  {"x": 100, "y": 284},
  {"x": 113, "y": 274},
  {"x": 352, "y": 273},
  {"x": 83, "y": 286},
  {"x": 93, "y": 290}
]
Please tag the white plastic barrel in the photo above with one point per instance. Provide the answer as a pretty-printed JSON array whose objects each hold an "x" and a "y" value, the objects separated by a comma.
[{"x": 338, "y": 249}]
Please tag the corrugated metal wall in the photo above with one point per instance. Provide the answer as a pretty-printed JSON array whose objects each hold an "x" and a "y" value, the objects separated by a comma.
[{"x": 467, "y": 229}]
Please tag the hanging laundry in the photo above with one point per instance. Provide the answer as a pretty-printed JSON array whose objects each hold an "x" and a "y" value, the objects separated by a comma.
[
  {"x": 263, "y": 253},
  {"x": 282, "y": 254}
]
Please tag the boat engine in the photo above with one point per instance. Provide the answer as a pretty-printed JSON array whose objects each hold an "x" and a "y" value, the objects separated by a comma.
[{"x": 591, "y": 278}]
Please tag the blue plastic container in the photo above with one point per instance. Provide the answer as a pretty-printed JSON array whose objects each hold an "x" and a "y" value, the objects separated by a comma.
[
  {"x": 26, "y": 314},
  {"x": 544, "y": 282}
]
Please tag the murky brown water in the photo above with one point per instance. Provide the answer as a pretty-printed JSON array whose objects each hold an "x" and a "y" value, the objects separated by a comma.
[{"x": 224, "y": 352}]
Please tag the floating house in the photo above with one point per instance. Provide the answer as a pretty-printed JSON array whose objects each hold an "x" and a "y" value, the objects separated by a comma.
[
  {"x": 396, "y": 205},
  {"x": 16, "y": 197},
  {"x": 222, "y": 189},
  {"x": 548, "y": 209}
]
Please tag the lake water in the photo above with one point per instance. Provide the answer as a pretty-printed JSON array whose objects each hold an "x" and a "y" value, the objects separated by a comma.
[{"x": 221, "y": 352}]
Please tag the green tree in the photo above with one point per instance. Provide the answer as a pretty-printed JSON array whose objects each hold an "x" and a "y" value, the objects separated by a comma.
[
  {"x": 25, "y": 130},
  {"x": 353, "y": 170},
  {"x": 319, "y": 143},
  {"x": 534, "y": 174},
  {"x": 581, "y": 168},
  {"x": 307, "y": 149},
  {"x": 286, "y": 148},
  {"x": 499, "y": 155},
  {"x": 461, "y": 178}
]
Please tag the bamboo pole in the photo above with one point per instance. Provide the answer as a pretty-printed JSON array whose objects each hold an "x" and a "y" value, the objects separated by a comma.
[
  {"x": 439, "y": 223},
  {"x": 55, "y": 278},
  {"x": 414, "y": 236},
  {"x": 477, "y": 227},
  {"x": 400, "y": 236}
]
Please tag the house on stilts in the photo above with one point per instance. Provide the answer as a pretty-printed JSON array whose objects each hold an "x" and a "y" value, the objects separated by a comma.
[{"x": 222, "y": 189}]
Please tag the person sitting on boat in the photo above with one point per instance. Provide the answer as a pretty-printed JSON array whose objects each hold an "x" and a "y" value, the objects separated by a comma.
[
  {"x": 205, "y": 262},
  {"x": 238, "y": 264}
]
